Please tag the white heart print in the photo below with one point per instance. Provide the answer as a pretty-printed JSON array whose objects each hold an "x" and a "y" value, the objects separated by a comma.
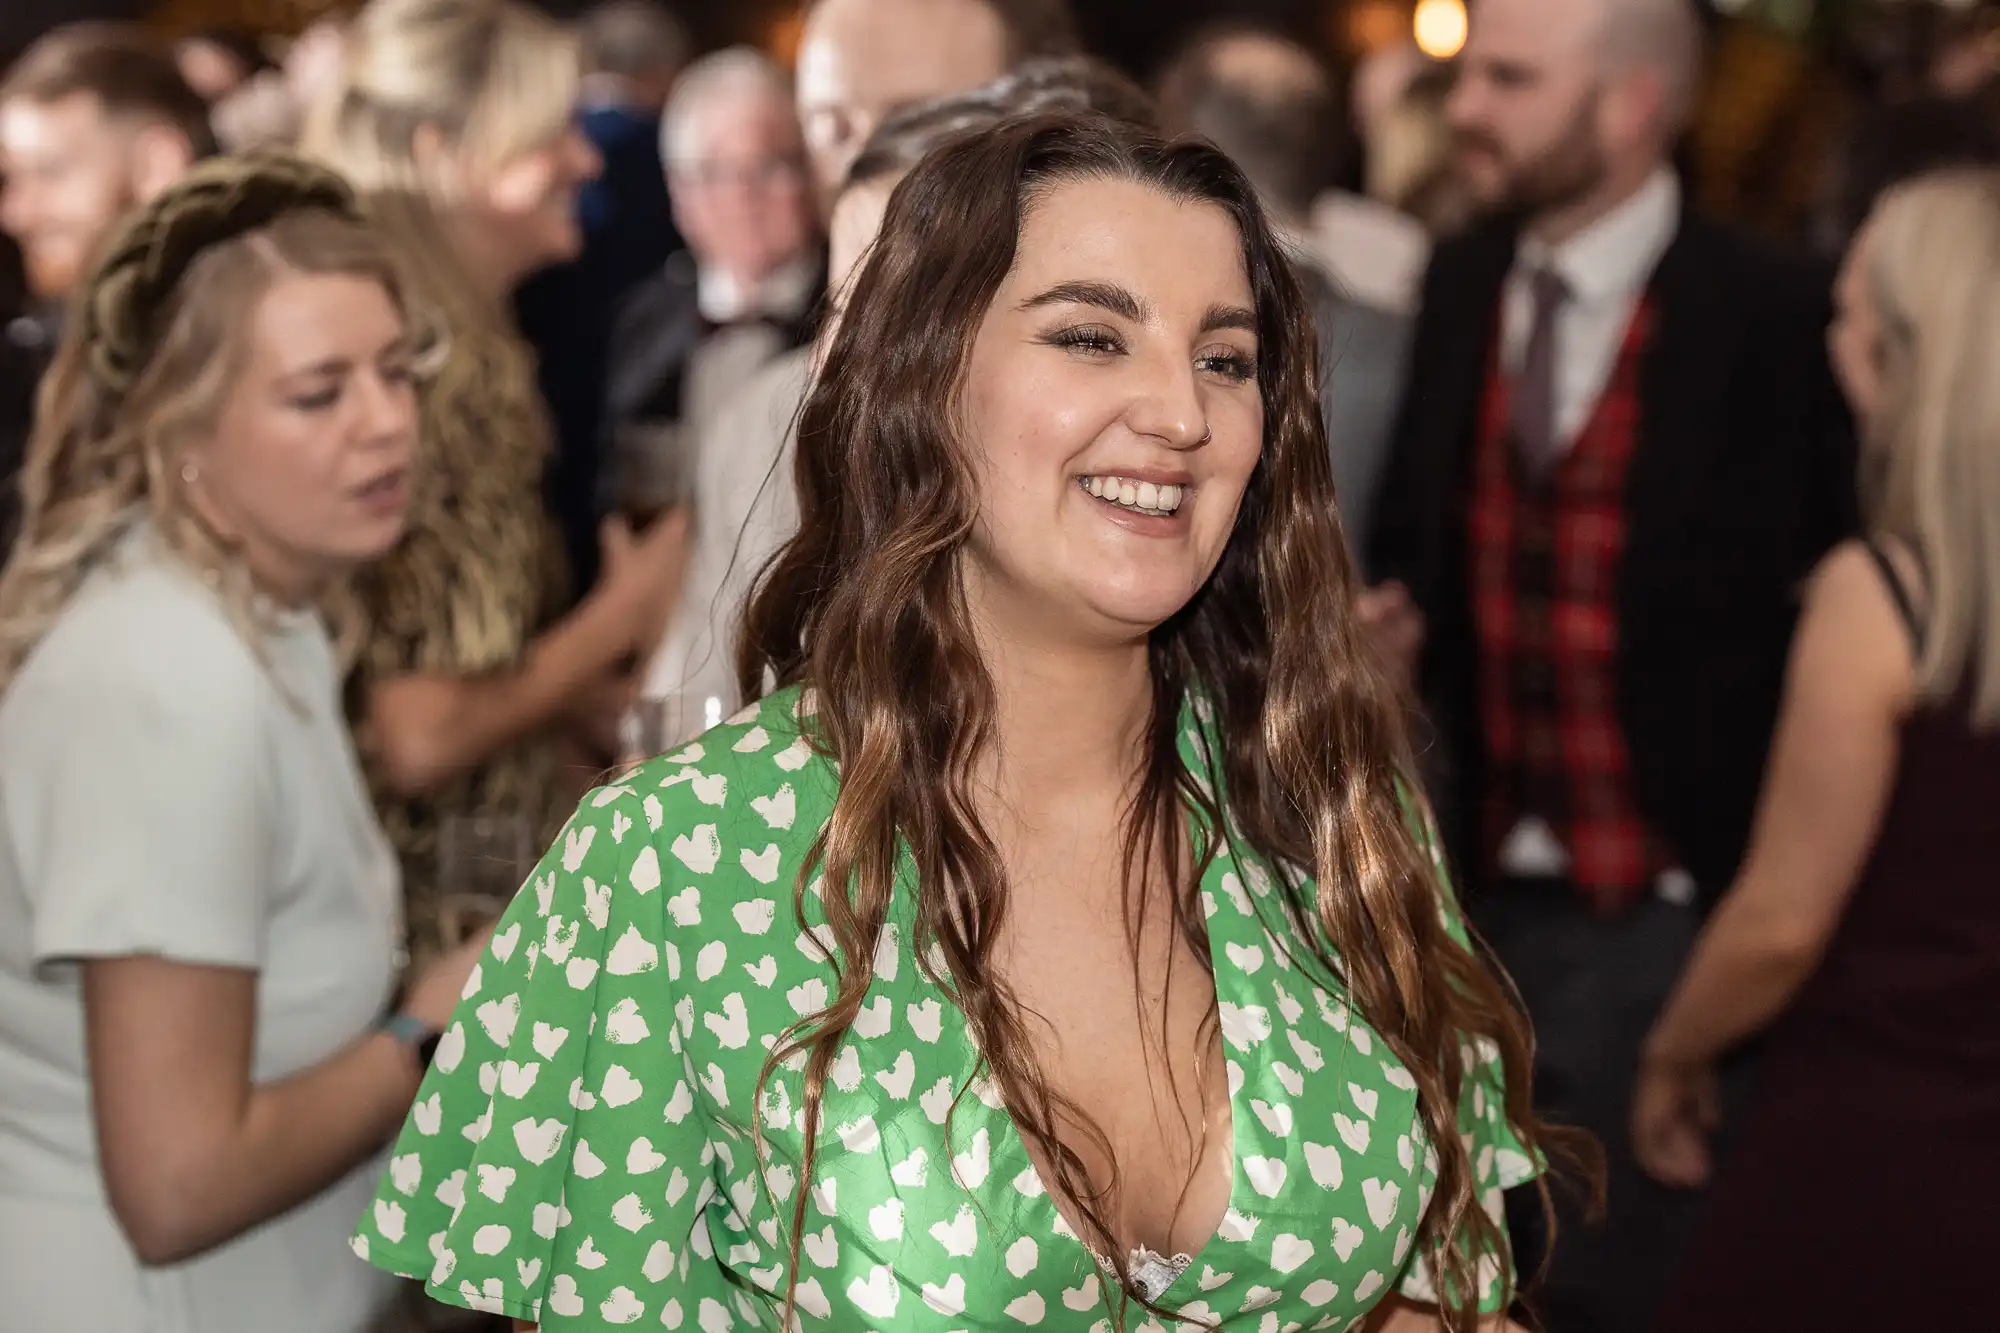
[
  {"x": 732, "y": 1026},
  {"x": 1289, "y": 1252},
  {"x": 948, "y": 1299},
  {"x": 877, "y": 1294},
  {"x": 1275, "y": 1119},
  {"x": 1381, "y": 1198},
  {"x": 1027, "y": 1309},
  {"x": 755, "y": 917},
  {"x": 700, "y": 850},
  {"x": 685, "y": 907},
  {"x": 885, "y": 1220},
  {"x": 860, "y": 1136},
  {"x": 1323, "y": 1163},
  {"x": 912, "y": 1171},
  {"x": 960, "y": 1236},
  {"x": 897, "y": 1079},
  {"x": 778, "y": 810},
  {"x": 763, "y": 866},
  {"x": 821, "y": 1248},
  {"x": 625, "y": 1025},
  {"x": 1265, "y": 1174},
  {"x": 620, "y": 1087}
]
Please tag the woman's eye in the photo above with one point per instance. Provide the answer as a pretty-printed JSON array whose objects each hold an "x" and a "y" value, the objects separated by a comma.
[
  {"x": 319, "y": 400},
  {"x": 1230, "y": 365},
  {"x": 1089, "y": 340}
]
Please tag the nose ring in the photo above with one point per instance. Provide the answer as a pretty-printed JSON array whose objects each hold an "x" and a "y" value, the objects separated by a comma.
[{"x": 1207, "y": 434}]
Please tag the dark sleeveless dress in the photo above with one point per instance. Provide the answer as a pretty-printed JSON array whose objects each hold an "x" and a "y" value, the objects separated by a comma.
[{"x": 1864, "y": 1191}]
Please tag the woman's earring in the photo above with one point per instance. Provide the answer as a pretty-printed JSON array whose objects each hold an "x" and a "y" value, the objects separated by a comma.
[{"x": 190, "y": 473}]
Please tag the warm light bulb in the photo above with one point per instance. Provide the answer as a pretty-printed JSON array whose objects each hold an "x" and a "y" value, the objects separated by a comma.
[{"x": 1440, "y": 27}]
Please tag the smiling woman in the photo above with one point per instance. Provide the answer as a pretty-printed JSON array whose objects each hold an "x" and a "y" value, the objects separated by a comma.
[{"x": 1059, "y": 940}]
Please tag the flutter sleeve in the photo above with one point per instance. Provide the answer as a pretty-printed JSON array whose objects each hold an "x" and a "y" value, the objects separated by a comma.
[
  {"x": 1499, "y": 1161},
  {"x": 550, "y": 1167}
]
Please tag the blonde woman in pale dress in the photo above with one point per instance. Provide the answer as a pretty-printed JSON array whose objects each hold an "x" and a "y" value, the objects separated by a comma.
[{"x": 201, "y": 1057}]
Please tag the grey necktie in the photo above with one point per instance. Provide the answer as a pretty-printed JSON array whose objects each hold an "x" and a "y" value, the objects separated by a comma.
[{"x": 1533, "y": 411}]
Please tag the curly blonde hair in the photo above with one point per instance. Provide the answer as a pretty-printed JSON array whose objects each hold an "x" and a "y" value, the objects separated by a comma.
[{"x": 155, "y": 343}]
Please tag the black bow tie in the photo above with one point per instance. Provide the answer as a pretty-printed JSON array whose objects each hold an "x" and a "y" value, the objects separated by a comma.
[{"x": 748, "y": 320}]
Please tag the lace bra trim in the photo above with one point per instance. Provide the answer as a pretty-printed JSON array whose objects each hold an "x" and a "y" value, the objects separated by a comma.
[{"x": 1150, "y": 1272}]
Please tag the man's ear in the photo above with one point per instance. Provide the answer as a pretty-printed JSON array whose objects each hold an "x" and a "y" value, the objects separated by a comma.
[
  {"x": 159, "y": 156},
  {"x": 1635, "y": 104}
]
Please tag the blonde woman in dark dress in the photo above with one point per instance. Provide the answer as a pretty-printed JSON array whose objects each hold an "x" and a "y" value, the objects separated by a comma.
[{"x": 1864, "y": 931}]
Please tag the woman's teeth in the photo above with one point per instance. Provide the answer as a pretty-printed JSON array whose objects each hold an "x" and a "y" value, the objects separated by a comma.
[{"x": 1142, "y": 496}]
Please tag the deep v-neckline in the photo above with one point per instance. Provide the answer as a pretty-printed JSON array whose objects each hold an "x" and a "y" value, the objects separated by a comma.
[{"x": 1008, "y": 1141}]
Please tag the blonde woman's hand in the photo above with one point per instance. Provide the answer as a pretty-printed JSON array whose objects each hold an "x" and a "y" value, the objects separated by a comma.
[
  {"x": 1674, "y": 1110},
  {"x": 1394, "y": 624}
]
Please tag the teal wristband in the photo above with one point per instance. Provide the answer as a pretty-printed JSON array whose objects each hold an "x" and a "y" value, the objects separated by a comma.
[{"x": 414, "y": 1033}]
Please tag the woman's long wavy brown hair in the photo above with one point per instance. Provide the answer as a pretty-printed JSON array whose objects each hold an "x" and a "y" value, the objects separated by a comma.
[{"x": 865, "y": 607}]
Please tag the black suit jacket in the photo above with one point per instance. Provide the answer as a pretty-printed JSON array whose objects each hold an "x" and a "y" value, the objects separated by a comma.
[
  {"x": 566, "y": 311},
  {"x": 654, "y": 333},
  {"x": 1742, "y": 478},
  {"x": 27, "y": 342},
  {"x": 654, "y": 330}
]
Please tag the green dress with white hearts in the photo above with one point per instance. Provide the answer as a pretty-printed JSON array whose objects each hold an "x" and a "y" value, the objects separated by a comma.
[{"x": 580, "y": 1153}]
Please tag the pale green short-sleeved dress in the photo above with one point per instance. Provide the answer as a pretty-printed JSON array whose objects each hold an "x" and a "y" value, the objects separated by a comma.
[{"x": 581, "y": 1152}]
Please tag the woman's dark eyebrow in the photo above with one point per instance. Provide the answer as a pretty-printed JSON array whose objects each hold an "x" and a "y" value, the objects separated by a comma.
[
  {"x": 1105, "y": 296},
  {"x": 1229, "y": 317},
  {"x": 1117, "y": 300}
]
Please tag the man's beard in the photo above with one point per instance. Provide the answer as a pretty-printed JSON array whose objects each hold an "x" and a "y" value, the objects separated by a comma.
[{"x": 1568, "y": 170}]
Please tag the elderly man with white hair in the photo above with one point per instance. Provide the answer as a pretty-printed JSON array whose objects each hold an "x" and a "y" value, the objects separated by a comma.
[
  {"x": 742, "y": 291},
  {"x": 1621, "y": 454}
]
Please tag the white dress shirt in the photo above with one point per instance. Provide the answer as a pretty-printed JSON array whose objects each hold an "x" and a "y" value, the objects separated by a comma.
[
  {"x": 783, "y": 293},
  {"x": 745, "y": 509},
  {"x": 1606, "y": 266},
  {"x": 1375, "y": 253}
]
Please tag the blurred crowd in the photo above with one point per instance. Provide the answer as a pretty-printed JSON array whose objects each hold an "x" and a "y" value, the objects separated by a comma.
[{"x": 1683, "y": 539}]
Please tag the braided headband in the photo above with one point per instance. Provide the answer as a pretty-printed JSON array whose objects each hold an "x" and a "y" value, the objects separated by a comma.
[{"x": 218, "y": 201}]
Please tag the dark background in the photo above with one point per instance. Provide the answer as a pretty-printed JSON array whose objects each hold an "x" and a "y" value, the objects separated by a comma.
[{"x": 1135, "y": 33}]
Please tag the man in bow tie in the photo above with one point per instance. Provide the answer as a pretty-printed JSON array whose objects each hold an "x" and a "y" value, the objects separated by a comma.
[{"x": 739, "y": 294}]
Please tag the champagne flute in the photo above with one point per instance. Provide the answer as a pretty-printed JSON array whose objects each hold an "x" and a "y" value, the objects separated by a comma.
[{"x": 663, "y": 723}]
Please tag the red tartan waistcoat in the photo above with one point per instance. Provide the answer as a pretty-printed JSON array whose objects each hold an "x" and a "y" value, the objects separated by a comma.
[{"x": 1545, "y": 555}]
